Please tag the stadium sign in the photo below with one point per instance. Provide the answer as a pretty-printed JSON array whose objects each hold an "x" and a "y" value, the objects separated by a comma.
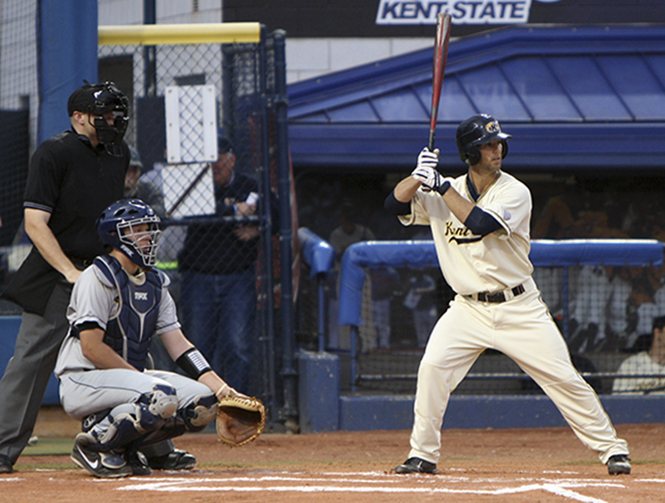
[{"x": 471, "y": 12}]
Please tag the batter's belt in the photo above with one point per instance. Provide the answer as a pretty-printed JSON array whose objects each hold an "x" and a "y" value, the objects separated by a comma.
[{"x": 497, "y": 297}]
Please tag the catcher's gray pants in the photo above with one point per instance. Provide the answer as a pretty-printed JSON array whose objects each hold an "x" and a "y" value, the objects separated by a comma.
[
  {"x": 24, "y": 383},
  {"x": 87, "y": 392}
]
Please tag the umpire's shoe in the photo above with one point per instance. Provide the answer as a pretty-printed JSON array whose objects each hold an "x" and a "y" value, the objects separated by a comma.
[
  {"x": 100, "y": 464},
  {"x": 174, "y": 460},
  {"x": 618, "y": 465},
  {"x": 5, "y": 464},
  {"x": 416, "y": 465}
]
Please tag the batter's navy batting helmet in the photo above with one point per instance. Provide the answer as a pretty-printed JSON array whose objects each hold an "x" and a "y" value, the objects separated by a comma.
[
  {"x": 116, "y": 227},
  {"x": 475, "y": 131},
  {"x": 97, "y": 100}
]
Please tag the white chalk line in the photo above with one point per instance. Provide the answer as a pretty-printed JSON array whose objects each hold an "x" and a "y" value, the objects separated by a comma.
[{"x": 560, "y": 487}]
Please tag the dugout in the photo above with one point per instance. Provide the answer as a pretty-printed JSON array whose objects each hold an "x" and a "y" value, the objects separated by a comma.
[
  {"x": 576, "y": 99},
  {"x": 585, "y": 106},
  {"x": 583, "y": 103}
]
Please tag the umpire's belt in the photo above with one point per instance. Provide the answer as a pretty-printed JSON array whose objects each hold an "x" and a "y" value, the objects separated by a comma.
[{"x": 497, "y": 297}]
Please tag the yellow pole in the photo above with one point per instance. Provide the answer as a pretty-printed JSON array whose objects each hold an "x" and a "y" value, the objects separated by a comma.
[{"x": 197, "y": 33}]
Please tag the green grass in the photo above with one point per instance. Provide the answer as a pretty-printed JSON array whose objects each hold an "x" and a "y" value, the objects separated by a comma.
[{"x": 50, "y": 447}]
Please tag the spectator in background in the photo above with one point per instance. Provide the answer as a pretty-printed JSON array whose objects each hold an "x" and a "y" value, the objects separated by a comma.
[
  {"x": 146, "y": 191},
  {"x": 385, "y": 282},
  {"x": 420, "y": 300},
  {"x": 218, "y": 273},
  {"x": 347, "y": 233},
  {"x": 649, "y": 361},
  {"x": 593, "y": 309}
]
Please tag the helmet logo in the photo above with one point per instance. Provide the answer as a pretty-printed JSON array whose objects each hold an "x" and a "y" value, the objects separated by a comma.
[{"x": 493, "y": 127}]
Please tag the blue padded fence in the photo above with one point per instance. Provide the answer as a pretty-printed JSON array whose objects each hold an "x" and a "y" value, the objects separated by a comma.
[{"x": 544, "y": 253}]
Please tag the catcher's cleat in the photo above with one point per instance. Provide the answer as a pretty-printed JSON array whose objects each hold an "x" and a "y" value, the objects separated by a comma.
[
  {"x": 138, "y": 463},
  {"x": 5, "y": 464},
  {"x": 174, "y": 460},
  {"x": 416, "y": 465},
  {"x": 100, "y": 464},
  {"x": 618, "y": 465}
]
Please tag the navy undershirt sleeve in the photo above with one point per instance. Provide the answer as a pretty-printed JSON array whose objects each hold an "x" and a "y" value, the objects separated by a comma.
[
  {"x": 395, "y": 207},
  {"x": 481, "y": 223}
]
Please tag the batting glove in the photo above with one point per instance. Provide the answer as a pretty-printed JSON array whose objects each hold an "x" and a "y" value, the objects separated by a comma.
[
  {"x": 431, "y": 180},
  {"x": 426, "y": 176},
  {"x": 425, "y": 171},
  {"x": 428, "y": 158}
]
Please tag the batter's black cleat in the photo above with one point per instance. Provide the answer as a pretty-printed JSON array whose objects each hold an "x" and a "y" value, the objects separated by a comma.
[
  {"x": 6, "y": 464},
  {"x": 618, "y": 465},
  {"x": 100, "y": 464},
  {"x": 416, "y": 465},
  {"x": 138, "y": 463},
  {"x": 174, "y": 460}
]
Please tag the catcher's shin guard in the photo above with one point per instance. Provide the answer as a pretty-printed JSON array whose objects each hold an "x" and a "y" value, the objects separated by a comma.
[
  {"x": 127, "y": 423},
  {"x": 192, "y": 418}
]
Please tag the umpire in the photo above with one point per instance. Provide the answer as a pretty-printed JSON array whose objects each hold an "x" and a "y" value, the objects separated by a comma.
[{"x": 72, "y": 177}]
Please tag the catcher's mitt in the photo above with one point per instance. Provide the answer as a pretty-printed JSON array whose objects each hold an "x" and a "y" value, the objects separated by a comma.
[{"x": 240, "y": 419}]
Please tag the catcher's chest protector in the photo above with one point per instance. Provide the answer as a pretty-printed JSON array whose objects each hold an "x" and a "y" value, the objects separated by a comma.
[{"x": 130, "y": 330}]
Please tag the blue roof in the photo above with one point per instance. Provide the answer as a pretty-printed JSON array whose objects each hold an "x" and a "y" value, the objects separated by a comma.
[{"x": 573, "y": 97}]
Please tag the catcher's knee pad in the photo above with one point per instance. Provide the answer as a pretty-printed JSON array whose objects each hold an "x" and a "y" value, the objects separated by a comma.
[
  {"x": 201, "y": 412},
  {"x": 161, "y": 401}
]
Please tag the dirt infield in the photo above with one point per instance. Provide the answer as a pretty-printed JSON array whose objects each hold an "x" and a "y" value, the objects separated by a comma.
[{"x": 532, "y": 465}]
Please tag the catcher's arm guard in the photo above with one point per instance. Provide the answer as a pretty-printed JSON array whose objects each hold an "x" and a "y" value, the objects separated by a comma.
[{"x": 240, "y": 418}]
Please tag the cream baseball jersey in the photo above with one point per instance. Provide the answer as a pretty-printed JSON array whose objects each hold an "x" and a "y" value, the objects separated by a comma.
[{"x": 471, "y": 263}]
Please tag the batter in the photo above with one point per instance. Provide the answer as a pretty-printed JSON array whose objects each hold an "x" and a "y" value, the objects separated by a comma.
[{"x": 480, "y": 224}]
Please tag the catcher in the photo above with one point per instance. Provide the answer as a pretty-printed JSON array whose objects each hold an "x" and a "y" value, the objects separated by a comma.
[{"x": 117, "y": 305}]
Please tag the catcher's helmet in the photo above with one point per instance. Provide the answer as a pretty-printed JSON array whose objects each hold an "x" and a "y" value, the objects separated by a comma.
[
  {"x": 475, "y": 131},
  {"x": 98, "y": 99},
  {"x": 116, "y": 227}
]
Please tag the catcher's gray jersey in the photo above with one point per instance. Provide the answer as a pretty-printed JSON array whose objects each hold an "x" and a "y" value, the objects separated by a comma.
[{"x": 96, "y": 299}]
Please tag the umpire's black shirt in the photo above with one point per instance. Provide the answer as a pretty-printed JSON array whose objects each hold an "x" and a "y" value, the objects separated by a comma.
[{"x": 75, "y": 182}]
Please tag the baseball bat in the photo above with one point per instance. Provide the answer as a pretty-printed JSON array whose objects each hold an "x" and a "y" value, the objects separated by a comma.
[{"x": 440, "y": 56}]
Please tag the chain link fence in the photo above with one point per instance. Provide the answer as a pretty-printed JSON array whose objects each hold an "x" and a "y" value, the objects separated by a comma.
[
  {"x": 204, "y": 141},
  {"x": 18, "y": 116},
  {"x": 208, "y": 153}
]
